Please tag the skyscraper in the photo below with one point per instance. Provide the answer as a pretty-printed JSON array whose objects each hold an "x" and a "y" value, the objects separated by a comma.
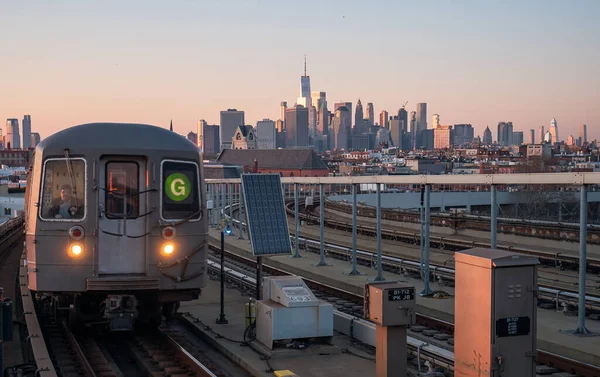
[
  {"x": 383, "y": 120},
  {"x": 582, "y": 134},
  {"x": 347, "y": 105},
  {"x": 396, "y": 132},
  {"x": 532, "y": 136},
  {"x": 13, "y": 139},
  {"x": 341, "y": 129},
  {"x": 282, "y": 108},
  {"x": 359, "y": 127},
  {"x": 296, "y": 119},
  {"x": 312, "y": 121},
  {"x": 370, "y": 115},
  {"x": 505, "y": 134},
  {"x": 487, "y": 136},
  {"x": 193, "y": 137},
  {"x": 443, "y": 136},
  {"x": 35, "y": 139},
  {"x": 266, "y": 133},
  {"x": 27, "y": 132},
  {"x": 463, "y": 134},
  {"x": 542, "y": 134},
  {"x": 436, "y": 120},
  {"x": 517, "y": 138},
  {"x": 403, "y": 116},
  {"x": 304, "y": 99},
  {"x": 200, "y": 131},
  {"x": 323, "y": 120},
  {"x": 318, "y": 98},
  {"x": 570, "y": 140},
  {"x": 414, "y": 133},
  {"x": 230, "y": 121},
  {"x": 421, "y": 116},
  {"x": 554, "y": 131}
]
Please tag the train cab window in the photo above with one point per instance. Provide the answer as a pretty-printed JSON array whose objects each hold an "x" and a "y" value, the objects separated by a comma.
[
  {"x": 122, "y": 190},
  {"x": 180, "y": 190},
  {"x": 64, "y": 189}
]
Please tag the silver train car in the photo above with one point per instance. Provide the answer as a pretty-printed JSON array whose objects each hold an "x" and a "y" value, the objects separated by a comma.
[{"x": 116, "y": 224}]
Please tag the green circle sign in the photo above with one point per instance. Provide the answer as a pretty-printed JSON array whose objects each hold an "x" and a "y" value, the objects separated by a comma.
[{"x": 178, "y": 187}]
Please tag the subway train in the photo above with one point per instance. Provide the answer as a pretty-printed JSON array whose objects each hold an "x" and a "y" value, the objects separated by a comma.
[{"x": 116, "y": 226}]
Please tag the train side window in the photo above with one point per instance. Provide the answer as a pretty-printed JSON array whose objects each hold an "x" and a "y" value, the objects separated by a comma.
[
  {"x": 122, "y": 190},
  {"x": 180, "y": 191},
  {"x": 64, "y": 189}
]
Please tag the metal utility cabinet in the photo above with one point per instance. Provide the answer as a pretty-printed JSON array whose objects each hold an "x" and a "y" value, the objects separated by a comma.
[
  {"x": 289, "y": 310},
  {"x": 495, "y": 315},
  {"x": 391, "y": 306}
]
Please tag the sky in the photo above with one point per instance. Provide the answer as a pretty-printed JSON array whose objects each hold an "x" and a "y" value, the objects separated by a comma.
[{"x": 479, "y": 62}]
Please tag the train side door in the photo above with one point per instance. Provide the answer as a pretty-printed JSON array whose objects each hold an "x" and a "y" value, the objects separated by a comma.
[{"x": 122, "y": 224}]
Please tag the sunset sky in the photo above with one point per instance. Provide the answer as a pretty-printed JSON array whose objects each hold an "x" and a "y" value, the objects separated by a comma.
[{"x": 72, "y": 62}]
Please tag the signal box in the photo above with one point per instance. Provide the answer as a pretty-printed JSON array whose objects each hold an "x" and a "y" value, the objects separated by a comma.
[{"x": 495, "y": 315}]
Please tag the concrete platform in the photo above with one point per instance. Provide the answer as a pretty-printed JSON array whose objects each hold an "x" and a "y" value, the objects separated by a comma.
[
  {"x": 316, "y": 360},
  {"x": 550, "y": 322}
]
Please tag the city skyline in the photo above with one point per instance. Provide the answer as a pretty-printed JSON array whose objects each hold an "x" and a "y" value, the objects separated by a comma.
[{"x": 146, "y": 67}]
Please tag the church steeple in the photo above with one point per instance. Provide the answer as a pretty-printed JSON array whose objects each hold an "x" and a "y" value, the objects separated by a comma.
[{"x": 171, "y": 126}]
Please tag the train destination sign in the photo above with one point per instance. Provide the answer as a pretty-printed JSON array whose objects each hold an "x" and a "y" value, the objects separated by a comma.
[
  {"x": 402, "y": 294},
  {"x": 513, "y": 326}
]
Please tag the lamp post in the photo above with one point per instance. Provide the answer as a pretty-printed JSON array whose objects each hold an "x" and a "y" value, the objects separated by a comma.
[{"x": 224, "y": 229}]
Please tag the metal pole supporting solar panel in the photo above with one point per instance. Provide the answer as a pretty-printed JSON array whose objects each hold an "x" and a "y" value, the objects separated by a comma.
[
  {"x": 379, "y": 257},
  {"x": 493, "y": 217},
  {"x": 354, "y": 210},
  {"x": 583, "y": 220},
  {"x": 322, "y": 225},
  {"x": 258, "y": 276}
]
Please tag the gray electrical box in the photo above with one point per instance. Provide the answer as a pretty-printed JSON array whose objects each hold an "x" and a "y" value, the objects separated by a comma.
[
  {"x": 495, "y": 315},
  {"x": 390, "y": 303}
]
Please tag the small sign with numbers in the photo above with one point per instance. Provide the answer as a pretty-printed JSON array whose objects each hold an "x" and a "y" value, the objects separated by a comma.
[
  {"x": 401, "y": 294},
  {"x": 513, "y": 326}
]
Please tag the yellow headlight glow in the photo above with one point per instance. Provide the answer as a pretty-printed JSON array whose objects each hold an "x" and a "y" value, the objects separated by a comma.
[
  {"x": 168, "y": 249},
  {"x": 76, "y": 250}
]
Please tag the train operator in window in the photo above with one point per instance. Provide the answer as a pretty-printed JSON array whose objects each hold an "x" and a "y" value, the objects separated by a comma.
[{"x": 66, "y": 206}]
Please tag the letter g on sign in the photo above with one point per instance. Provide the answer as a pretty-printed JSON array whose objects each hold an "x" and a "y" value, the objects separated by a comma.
[{"x": 178, "y": 187}]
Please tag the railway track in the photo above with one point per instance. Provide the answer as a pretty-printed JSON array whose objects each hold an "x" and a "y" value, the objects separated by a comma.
[
  {"x": 553, "y": 297},
  {"x": 431, "y": 340},
  {"x": 448, "y": 242},
  {"x": 56, "y": 350}
]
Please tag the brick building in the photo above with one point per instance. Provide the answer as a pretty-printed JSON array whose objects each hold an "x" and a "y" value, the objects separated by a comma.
[{"x": 287, "y": 162}]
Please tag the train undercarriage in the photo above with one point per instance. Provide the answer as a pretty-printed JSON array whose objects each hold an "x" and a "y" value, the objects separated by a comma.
[{"x": 115, "y": 311}]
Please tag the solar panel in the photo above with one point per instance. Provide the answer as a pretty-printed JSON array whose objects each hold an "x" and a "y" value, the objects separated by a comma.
[{"x": 267, "y": 220}]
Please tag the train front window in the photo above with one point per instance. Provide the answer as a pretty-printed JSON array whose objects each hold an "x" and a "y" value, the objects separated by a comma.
[
  {"x": 63, "y": 189},
  {"x": 180, "y": 190},
  {"x": 122, "y": 190}
]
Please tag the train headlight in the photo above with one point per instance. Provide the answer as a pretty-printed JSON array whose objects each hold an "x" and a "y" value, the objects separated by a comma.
[
  {"x": 168, "y": 249},
  {"x": 75, "y": 250}
]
